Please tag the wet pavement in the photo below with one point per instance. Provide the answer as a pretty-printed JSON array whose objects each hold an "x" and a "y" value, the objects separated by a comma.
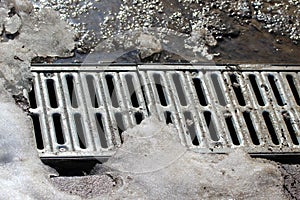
[{"x": 245, "y": 31}]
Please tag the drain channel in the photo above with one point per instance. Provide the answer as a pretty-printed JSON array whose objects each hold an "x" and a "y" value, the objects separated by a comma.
[{"x": 84, "y": 113}]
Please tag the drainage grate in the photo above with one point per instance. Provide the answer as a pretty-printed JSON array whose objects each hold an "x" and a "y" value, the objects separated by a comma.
[{"x": 82, "y": 111}]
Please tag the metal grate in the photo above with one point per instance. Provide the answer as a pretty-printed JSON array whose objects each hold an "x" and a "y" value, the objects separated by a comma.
[{"x": 82, "y": 111}]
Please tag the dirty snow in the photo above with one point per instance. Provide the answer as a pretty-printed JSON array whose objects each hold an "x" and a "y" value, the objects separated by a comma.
[
  {"x": 179, "y": 174},
  {"x": 23, "y": 176},
  {"x": 26, "y": 36},
  {"x": 12, "y": 24},
  {"x": 152, "y": 164},
  {"x": 147, "y": 42}
]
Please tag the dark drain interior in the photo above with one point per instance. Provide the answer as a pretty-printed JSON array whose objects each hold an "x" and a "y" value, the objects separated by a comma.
[
  {"x": 251, "y": 128},
  {"x": 256, "y": 90},
  {"x": 72, "y": 167}
]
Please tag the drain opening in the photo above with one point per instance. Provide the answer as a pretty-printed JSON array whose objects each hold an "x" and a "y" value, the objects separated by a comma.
[
  {"x": 293, "y": 87},
  {"x": 211, "y": 126},
  {"x": 110, "y": 85},
  {"x": 289, "y": 125},
  {"x": 200, "y": 92},
  {"x": 139, "y": 117},
  {"x": 80, "y": 131},
  {"x": 232, "y": 130},
  {"x": 256, "y": 90},
  {"x": 191, "y": 128},
  {"x": 237, "y": 89},
  {"x": 251, "y": 129},
  {"x": 58, "y": 128},
  {"x": 179, "y": 89},
  {"x": 92, "y": 91},
  {"x": 111, "y": 88},
  {"x": 51, "y": 92},
  {"x": 274, "y": 86},
  {"x": 270, "y": 127},
  {"x": 67, "y": 168},
  {"x": 132, "y": 92},
  {"x": 218, "y": 89},
  {"x": 160, "y": 90},
  {"x": 168, "y": 117},
  {"x": 120, "y": 124},
  {"x": 71, "y": 91},
  {"x": 101, "y": 131},
  {"x": 32, "y": 98},
  {"x": 37, "y": 131}
]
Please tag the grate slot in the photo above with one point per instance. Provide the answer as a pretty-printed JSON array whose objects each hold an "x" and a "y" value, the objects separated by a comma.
[
  {"x": 211, "y": 126},
  {"x": 200, "y": 92},
  {"x": 160, "y": 90},
  {"x": 290, "y": 127},
  {"x": 232, "y": 131},
  {"x": 274, "y": 86},
  {"x": 71, "y": 91},
  {"x": 293, "y": 88},
  {"x": 179, "y": 89},
  {"x": 270, "y": 127},
  {"x": 190, "y": 124},
  {"x": 92, "y": 91},
  {"x": 237, "y": 89},
  {"x": 111, "y": 88},
  {"x": 32, "y": 98},
  {"x": 138, "y": 117},
  {"x": 132, "y": 91},
  {"x": 37, "y": 131},
  {"x": 101, "y": 131},
  {"x": 120, "y": 125},
  {"x": 251, "y": 129},
  {"x": 80, "y": 131},
  {"x": 168, "y": 117},
  {"x": 51, "y": 92},
  {"x": 60, "y": 139},
  {"x": 218, "y": 89},
  {"x": 256, "y": 90}
]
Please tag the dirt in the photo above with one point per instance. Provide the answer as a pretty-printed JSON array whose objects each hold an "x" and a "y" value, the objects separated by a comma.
[
  {"x": 86, "y": 187},
  {"x": 291, "y": 175}
]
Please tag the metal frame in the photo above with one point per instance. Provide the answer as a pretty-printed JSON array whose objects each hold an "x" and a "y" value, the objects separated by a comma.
[{"x": 187, "y": 117}]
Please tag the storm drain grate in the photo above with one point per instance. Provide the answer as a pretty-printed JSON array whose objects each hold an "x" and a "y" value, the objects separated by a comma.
[{"x": 82, "y": 111}]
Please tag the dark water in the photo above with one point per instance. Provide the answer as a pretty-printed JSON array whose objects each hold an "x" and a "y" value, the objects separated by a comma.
[
  {"x": 243, "y": 40},
  {"x": 257, "y": 46}
]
